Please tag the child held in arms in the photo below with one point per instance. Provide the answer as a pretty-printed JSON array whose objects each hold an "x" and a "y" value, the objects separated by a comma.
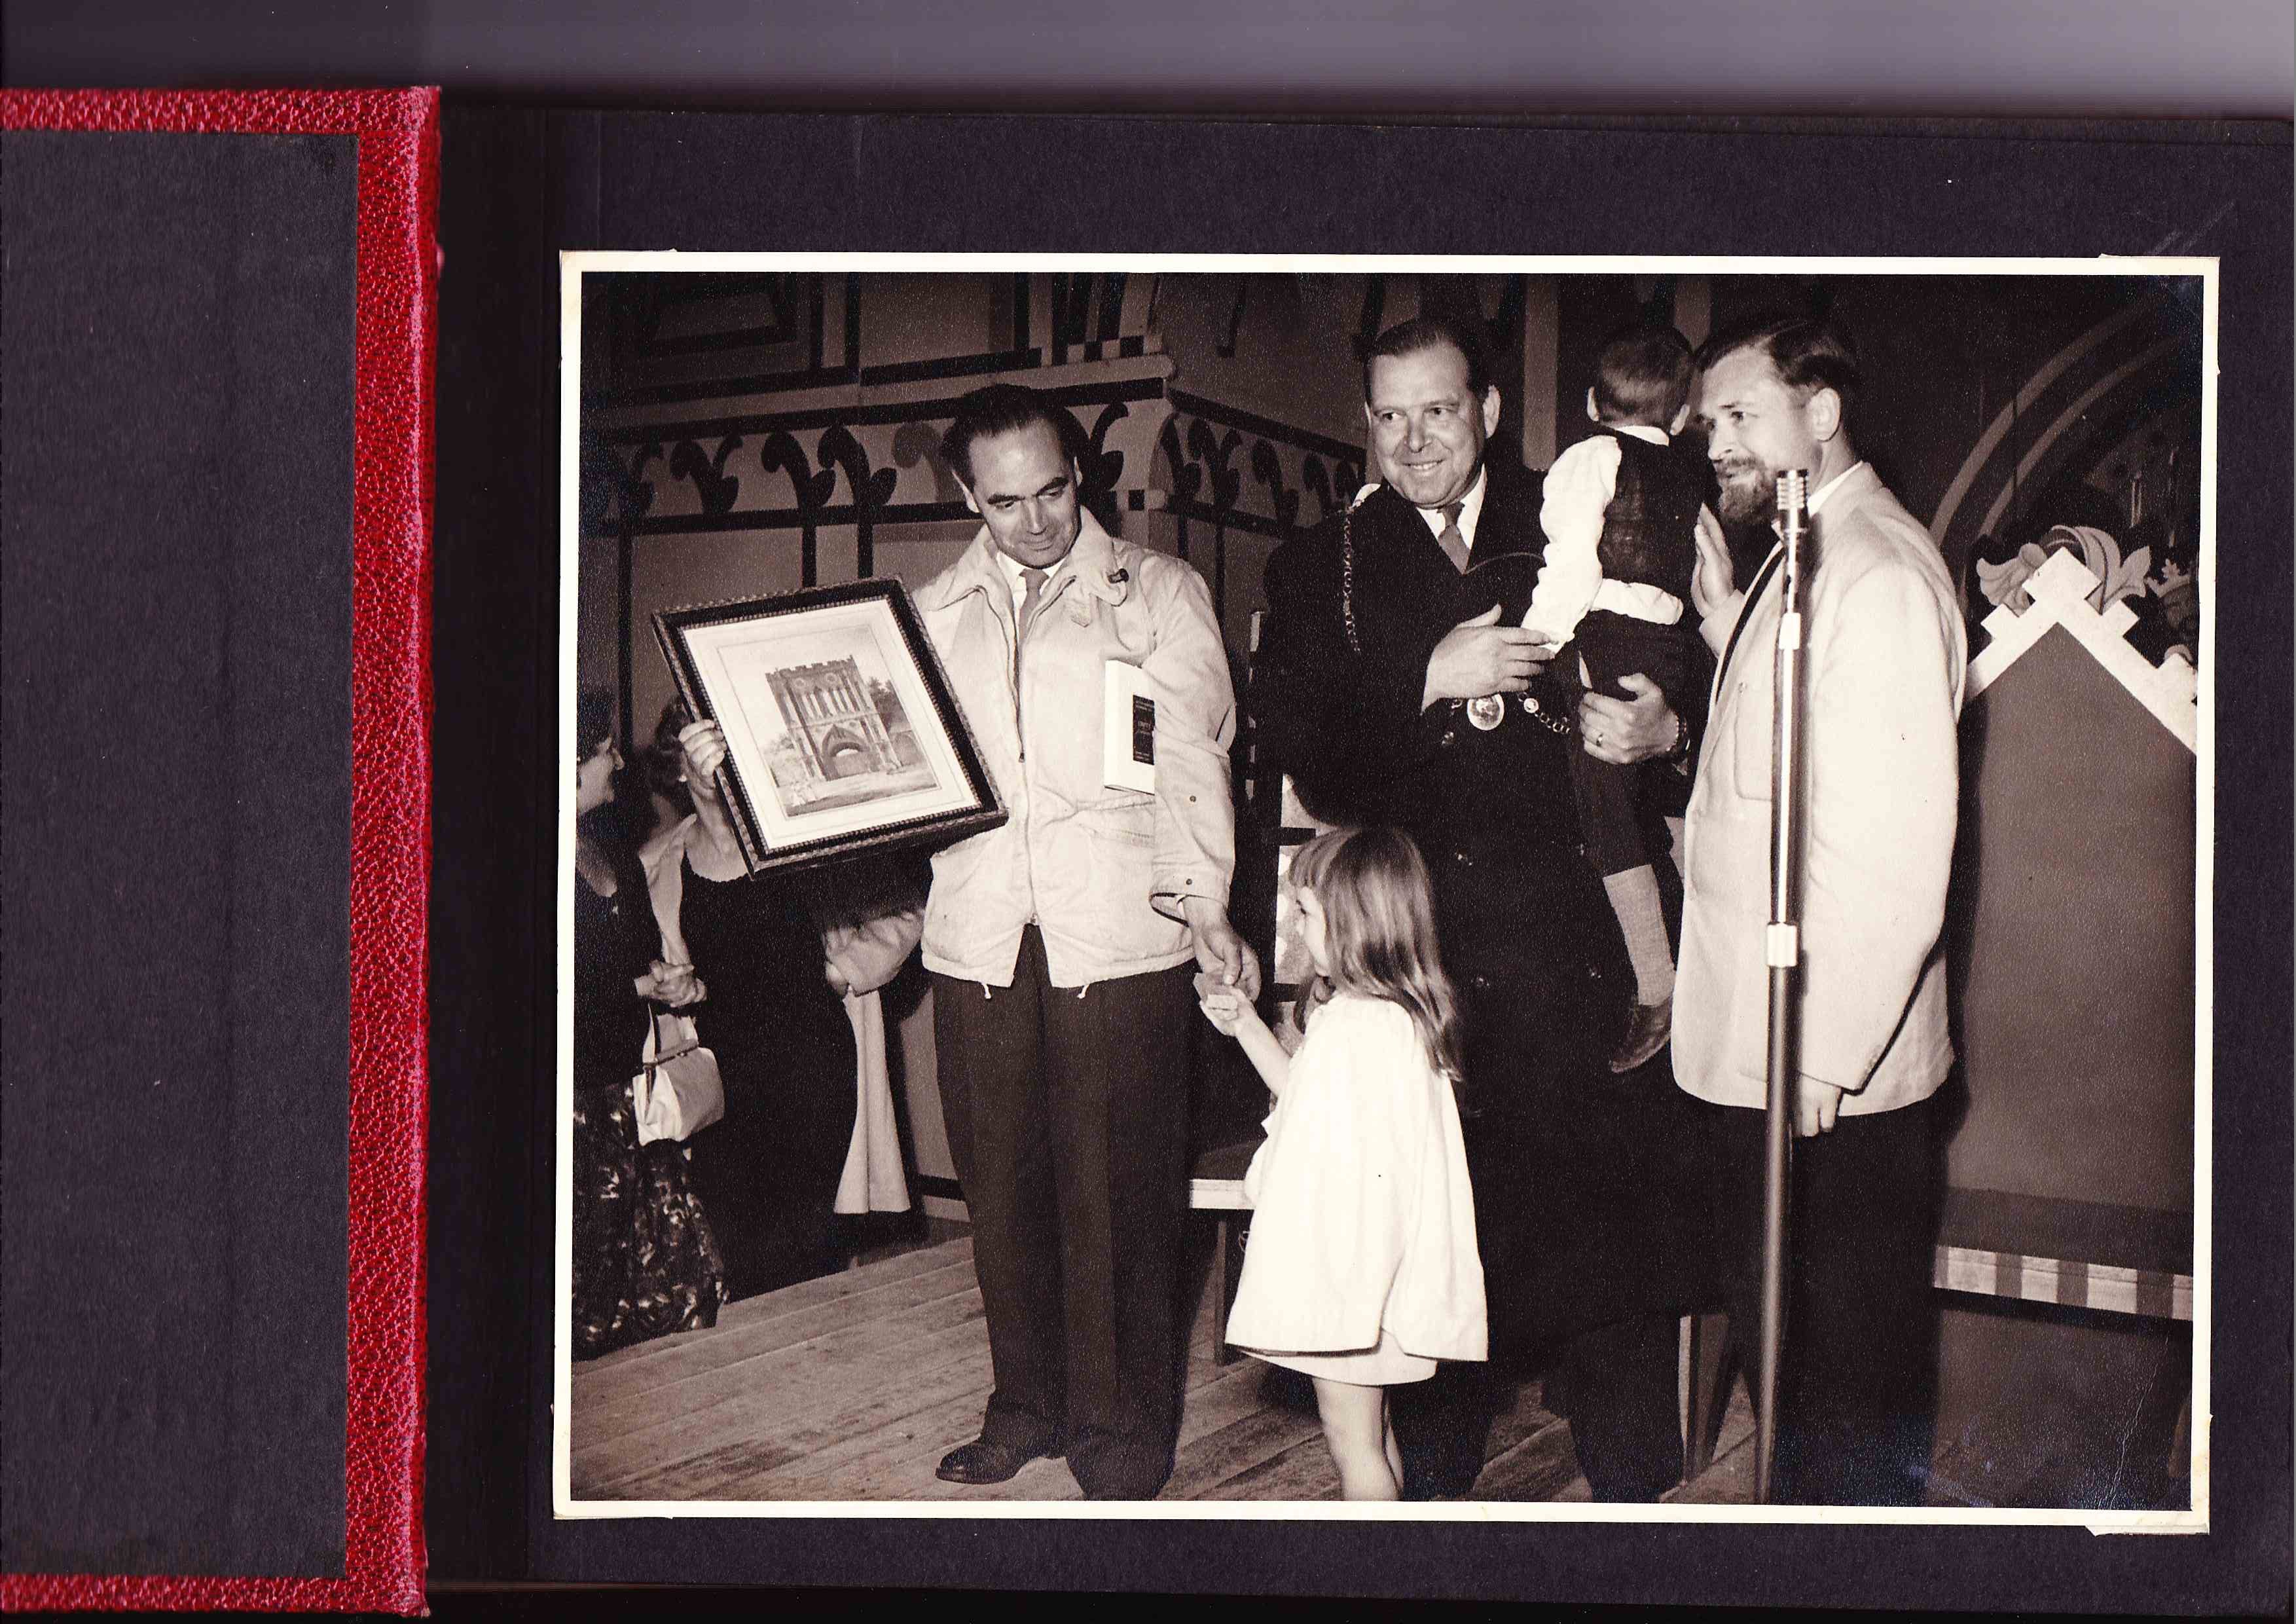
[{"x": 1620, "y": 513}]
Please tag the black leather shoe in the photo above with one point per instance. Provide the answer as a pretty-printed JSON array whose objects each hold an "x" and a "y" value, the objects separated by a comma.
[
  {"x": 1647, "y": 1032},
  {"x": 982, "y": 1462}
]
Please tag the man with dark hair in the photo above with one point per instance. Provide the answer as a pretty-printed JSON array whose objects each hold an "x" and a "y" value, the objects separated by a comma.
[
  {"x": 1807, "y": 353},
  {"x": 1423, "y": 333},
  {"x": 1394, "y": 687},
  {"x": 1885, "y": 653},
  {"x": 1001, "y": 408},
  {"x": 1060, "y": 946}
]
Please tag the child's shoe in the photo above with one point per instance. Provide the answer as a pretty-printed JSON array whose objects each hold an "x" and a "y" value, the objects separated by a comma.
[{"x": 1647, "y": 1032}]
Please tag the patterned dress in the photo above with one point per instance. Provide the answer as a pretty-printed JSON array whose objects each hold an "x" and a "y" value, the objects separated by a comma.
[{"x": 645, "y": 1263}]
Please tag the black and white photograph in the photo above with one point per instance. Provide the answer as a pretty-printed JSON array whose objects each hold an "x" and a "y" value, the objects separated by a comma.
[{"x": 1648, "y": 958}]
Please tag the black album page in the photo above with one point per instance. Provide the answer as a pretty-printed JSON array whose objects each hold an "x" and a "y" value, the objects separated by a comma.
[{"x": 1816, "y": 204}]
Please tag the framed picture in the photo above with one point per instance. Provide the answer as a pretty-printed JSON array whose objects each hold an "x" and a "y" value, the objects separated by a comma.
[{"x": 841, "y": 733}]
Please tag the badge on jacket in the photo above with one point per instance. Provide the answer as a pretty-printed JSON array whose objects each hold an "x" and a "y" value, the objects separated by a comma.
[{"x": 1128, "y": 733}]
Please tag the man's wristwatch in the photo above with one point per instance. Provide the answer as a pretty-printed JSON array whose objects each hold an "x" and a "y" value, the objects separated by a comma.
[{"x": 1680, "y": 750}]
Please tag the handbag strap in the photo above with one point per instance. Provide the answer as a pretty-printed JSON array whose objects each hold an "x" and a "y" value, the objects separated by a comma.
[
  {"x": 673, "y": 1038},
  {"x": 667, "y": 888}
]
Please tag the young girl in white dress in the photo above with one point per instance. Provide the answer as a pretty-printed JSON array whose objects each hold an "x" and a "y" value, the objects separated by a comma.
[{"x": 1361, "y": 1270}]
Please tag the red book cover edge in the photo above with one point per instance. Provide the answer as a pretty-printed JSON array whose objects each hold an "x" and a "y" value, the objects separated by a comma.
[{"x": 397, "y": 274}]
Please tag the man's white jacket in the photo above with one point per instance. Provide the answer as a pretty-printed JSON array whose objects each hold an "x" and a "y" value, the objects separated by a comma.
[
  {"x": 1885, "y": 658},
  {"x": 1100, "y": 871}
]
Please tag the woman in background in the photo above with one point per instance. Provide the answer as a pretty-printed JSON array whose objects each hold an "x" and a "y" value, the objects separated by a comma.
[
  {"x": 645, "y": 1262},
  {"x": 769, "y": 1172}
]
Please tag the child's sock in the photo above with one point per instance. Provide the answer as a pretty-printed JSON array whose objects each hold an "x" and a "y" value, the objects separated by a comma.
[{"x": 1634, "y": 899}]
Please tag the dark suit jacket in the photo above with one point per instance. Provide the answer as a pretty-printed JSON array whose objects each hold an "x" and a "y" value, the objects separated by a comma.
[
  {"x": 1344, "y": 719},
  {"x": 1580, "y": 1175}
]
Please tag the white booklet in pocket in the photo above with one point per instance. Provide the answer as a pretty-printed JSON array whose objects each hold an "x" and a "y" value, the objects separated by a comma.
[{"x": 1128, "y": 727}]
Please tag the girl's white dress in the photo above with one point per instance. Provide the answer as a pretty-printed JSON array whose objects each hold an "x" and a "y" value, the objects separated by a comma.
[{"x": 1361, "y": 1265}]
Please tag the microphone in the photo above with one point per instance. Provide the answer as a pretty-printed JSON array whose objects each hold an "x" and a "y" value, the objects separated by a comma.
[
  {"x": 1782, "y": 954},
  {"x": 1793, "y": 528}
]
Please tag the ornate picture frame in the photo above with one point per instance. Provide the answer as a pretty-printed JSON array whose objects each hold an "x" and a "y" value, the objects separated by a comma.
[{"x": 842, "y": 734}]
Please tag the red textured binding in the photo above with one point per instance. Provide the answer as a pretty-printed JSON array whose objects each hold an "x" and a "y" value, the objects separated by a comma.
[{"x": 390, "y": 826}]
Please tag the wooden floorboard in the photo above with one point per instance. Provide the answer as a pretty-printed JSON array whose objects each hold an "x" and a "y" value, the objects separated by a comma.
[
  {"x": 874, "y": 1460},
  {"x": 1542, "y": 1466},
  {"x": 800, "y": 1442},
  {"x": 796, "y": 1299},
  {"x": 852, "y": 1387},
  {"x": 768, "y": 1394},
  {"x": 1302, "y": 1471},
  {"x": 743, "y": 1356},
  {"x": 761, "y": 1323},
  {"x": 1238, "y": 1448},
  {"x": 893, "y": 1456}
]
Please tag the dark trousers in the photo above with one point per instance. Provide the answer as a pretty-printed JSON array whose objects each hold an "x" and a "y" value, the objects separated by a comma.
[
  {"x": 1609, "y": 798},
  {"x": 1617, "y": 1385},
  {"x": 1068, "y": 1120},
  {"x": 1856, "y": 1384}
]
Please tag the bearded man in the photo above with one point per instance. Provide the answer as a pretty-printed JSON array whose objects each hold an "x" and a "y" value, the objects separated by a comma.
[{"x": 1885, "y": 655}]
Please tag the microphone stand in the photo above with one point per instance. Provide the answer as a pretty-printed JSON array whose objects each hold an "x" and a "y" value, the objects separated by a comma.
[{"x": 1781, "y": 951}]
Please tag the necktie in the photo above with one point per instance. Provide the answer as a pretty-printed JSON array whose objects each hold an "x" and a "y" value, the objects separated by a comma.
[
  {"x": 1035, "y": 579},
  {"x": 1020, "y": 628},
  {"x": 1453, "y": 545}
]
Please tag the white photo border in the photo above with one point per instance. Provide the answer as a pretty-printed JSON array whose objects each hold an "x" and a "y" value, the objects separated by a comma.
[{"x": 576, "y": 265}]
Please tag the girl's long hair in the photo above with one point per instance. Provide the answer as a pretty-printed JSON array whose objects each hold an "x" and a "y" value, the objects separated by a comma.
[{"x": 1379, "y": 933}]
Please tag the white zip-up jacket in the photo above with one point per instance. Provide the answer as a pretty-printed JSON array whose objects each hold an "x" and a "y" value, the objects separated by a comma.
[{"x": 1100, "y": 872}]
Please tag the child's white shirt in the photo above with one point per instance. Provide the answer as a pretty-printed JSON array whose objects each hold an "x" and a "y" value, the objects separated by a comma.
[{"x": 1570, "y": 582}]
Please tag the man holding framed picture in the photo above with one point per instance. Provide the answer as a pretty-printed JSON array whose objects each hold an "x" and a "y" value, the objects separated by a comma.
[{"x": 1093, "y": 676}]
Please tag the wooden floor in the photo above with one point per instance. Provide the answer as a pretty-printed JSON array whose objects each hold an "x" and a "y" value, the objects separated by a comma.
[{"x": 852, "y": 1387}]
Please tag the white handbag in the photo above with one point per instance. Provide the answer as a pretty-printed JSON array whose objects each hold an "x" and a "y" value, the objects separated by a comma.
[{"x": 678, "y": 1091}]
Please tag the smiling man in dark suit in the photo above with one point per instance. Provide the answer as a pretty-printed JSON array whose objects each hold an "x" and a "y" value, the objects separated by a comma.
[{"x": 1396, "y": 686}]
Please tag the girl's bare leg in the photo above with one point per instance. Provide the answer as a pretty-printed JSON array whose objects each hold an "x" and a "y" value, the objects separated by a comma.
[
  {"x": 1355, "y": 1427},
  {"x": 1394, "y": 1453}
]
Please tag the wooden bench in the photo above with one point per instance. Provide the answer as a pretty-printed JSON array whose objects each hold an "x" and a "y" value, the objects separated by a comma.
[
  {"x": 2075, "y": 1254},
  {"x": 1217, "y": 1186}
]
